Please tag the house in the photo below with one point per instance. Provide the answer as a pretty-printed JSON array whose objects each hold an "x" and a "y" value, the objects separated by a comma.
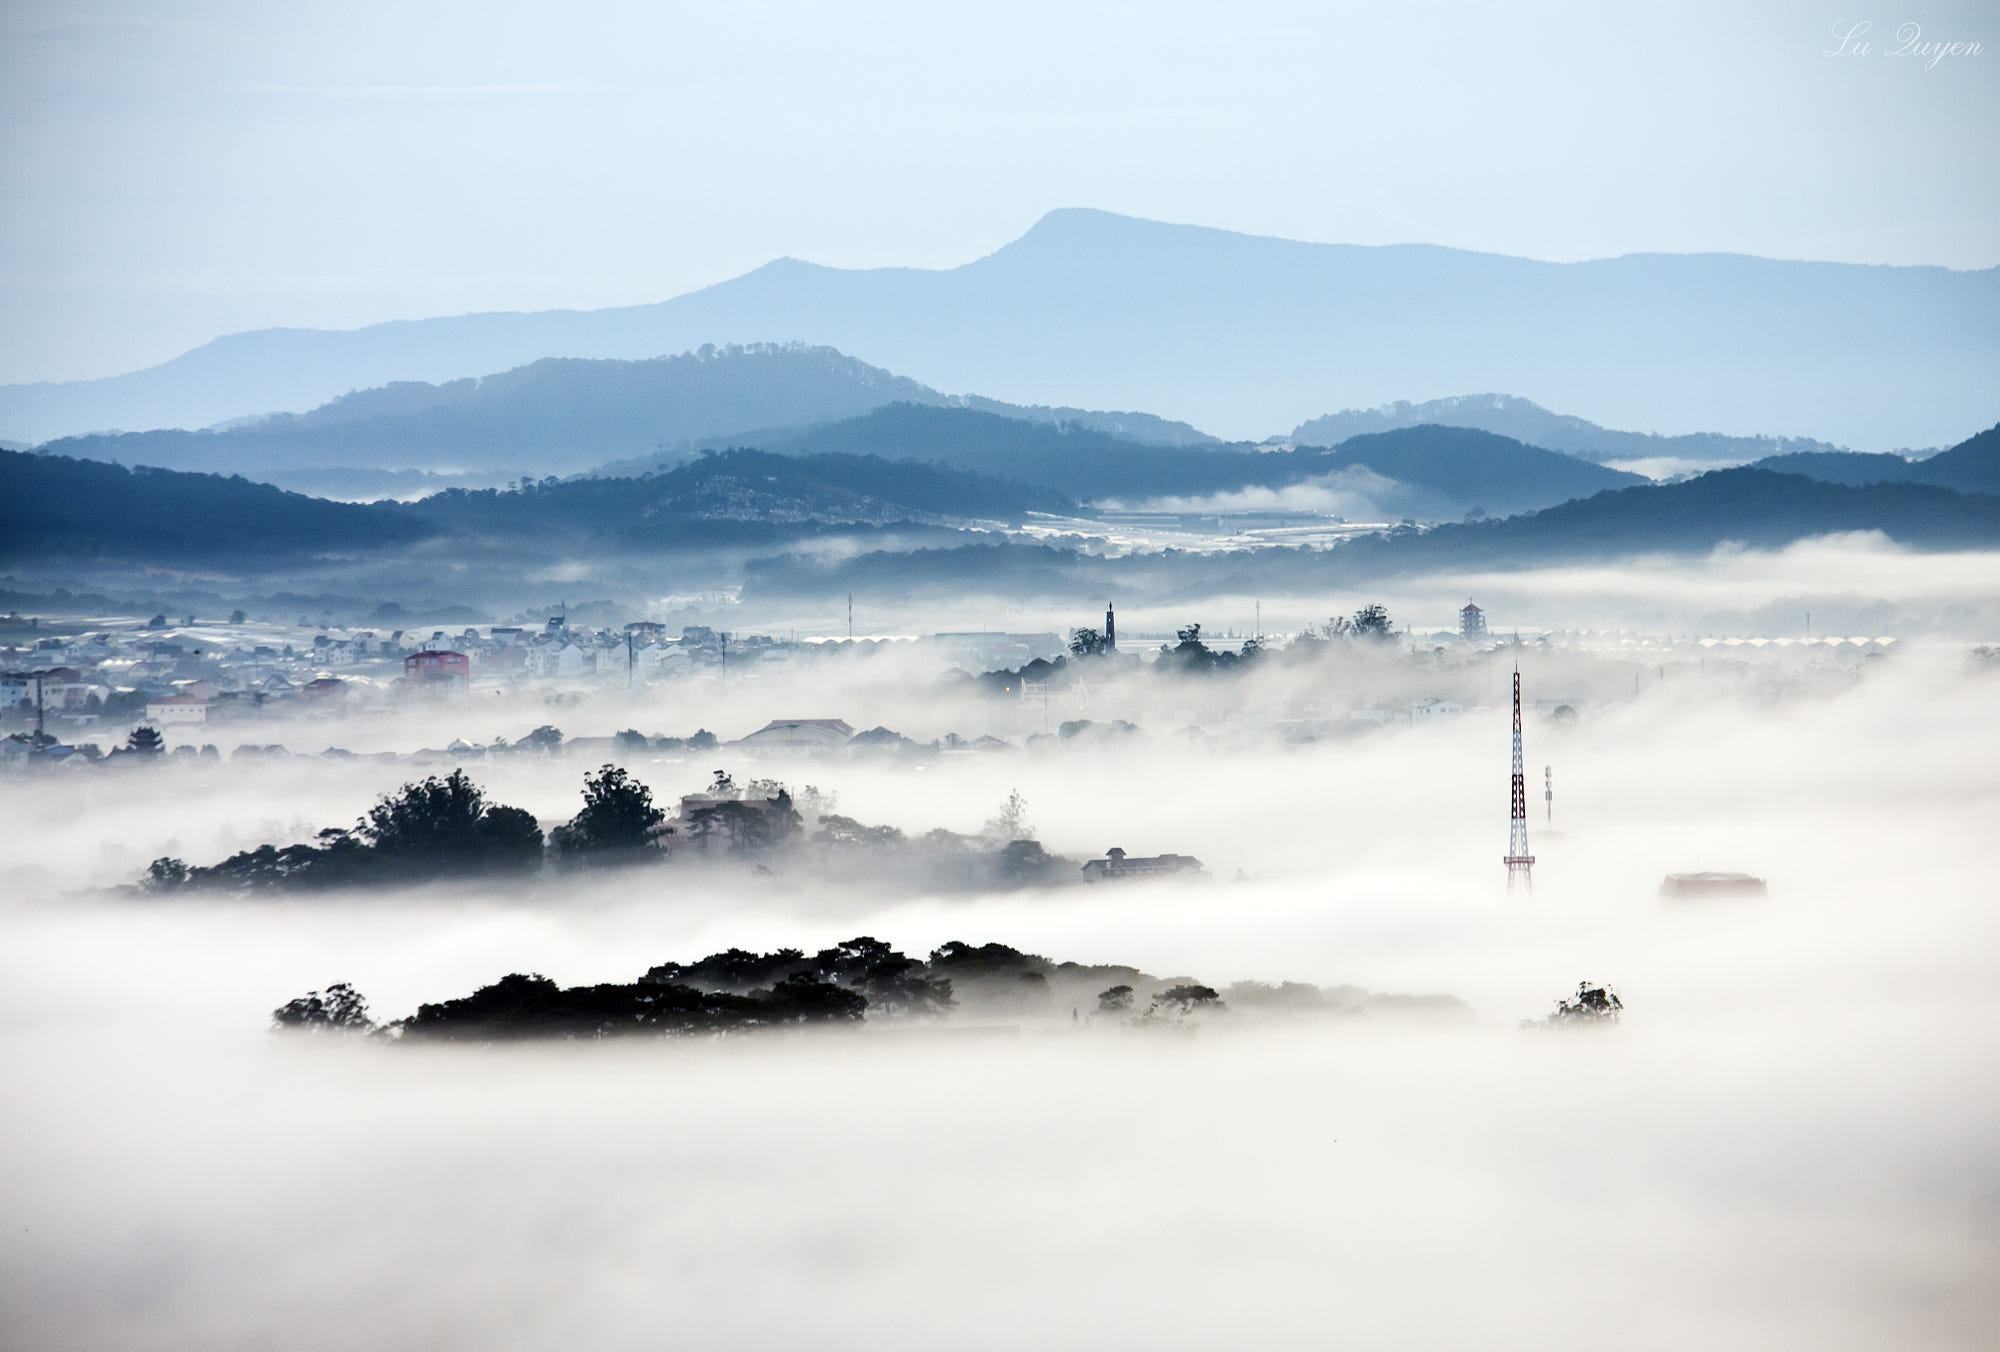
[
  {"x": 1427, "y": 710},
  {"x": 799, "y": 736},
  {"x": 1117, "y": 864},
  {"x": 1695, "y": 885},
  {"x": 663, "y": 658},
  {"x": 725, "y": 819},
  {"x": 437, "y": 672},
  {"x": 177, "y": 711},
  {"x": 327, "y": 689},
  {"x": 58, "y": 688}
]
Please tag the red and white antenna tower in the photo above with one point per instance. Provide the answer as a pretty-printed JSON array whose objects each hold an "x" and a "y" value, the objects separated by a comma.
[{"x": 1520, "y": 864}]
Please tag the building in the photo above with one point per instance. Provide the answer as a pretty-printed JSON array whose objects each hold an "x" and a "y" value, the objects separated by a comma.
[
  {"x": 1696, "y": 885},
  {"x": 438, "y": 672},
  {"x": 799, "y": 736},
  {"x": 1472, "y": 623},
  {"x": 177, "y": 711},
  {"x": 1117, "y": 864},
  {"x": 726, "y": 819},
  {"x": 57, "y": 688}
]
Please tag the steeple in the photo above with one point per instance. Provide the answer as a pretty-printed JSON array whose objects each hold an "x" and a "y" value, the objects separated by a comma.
[{"x": 1110, "y": 629}]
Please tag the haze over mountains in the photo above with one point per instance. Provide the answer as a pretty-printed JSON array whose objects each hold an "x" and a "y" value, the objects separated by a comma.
[
  {"x": 1233, "y": 333},
  {"x": 1524, "y": 420},
  {"x": 62, "y": 508},
  {"x": 83, "y": 510},
  {"x": 568, "y": 415},
  {"x": 1746, "y": 506}
]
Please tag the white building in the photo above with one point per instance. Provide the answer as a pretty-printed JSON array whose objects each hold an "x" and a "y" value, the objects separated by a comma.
[{"x": 172, "y": 711}]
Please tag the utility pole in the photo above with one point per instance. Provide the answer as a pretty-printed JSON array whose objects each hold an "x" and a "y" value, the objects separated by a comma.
[
  {"x": 1548, "y": 795},
  {"x": 850, "y": 617},
  {"x": 628, "y": 659}
]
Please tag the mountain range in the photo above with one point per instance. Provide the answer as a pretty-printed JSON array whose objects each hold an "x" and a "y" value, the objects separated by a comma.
[
  {"x": 1233, "y": 333},
  {"x": 1972, "y": 466},
  {"x": 568, "y": 415},
  {"x": 69, "y": 510},
  {"x": 1525, "y": 420},
  {"x": 1691, "y": 518},
  {"x": 58, "y": 509}
]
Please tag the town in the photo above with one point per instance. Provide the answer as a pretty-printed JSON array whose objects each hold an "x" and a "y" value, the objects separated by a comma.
[{"x": 76, "y": 692}]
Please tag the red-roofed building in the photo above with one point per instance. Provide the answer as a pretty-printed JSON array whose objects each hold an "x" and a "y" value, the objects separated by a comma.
[{"x": 438, "y": 673}]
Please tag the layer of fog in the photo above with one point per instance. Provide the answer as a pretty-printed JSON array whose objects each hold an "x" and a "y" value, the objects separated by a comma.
[
  {"x": 1352, "y": 493},
  {"x": 1854, "y": 584},
  {"x": 1787, "y": 1143}
]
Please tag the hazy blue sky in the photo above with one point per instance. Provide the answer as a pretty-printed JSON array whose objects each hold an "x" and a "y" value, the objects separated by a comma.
[{"x": 172, "y": 172}]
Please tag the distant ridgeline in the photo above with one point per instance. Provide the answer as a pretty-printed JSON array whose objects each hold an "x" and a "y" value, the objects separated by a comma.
[
  {"x": 565, "y": 415},
  {"x": 1215, "y": 326},
  {"x": 1529, "y": 422},
  {"x": 1750, "y": 506}
]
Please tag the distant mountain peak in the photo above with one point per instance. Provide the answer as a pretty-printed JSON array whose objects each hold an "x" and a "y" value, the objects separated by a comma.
[{"x": 1227, "y": 330}]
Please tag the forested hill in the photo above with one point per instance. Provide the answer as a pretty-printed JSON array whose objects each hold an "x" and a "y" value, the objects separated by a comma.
[
  {"x": 1076, "y": 461},
  {"x": 1972, "y": 466},
  {"x": 1742, "y": 506},
  {"x": 1524, "y": 420},
  {"x": 56, "y": 506},
  {"x": 564, "y": 415},
  {"x": 745, "y": 486},
  {"x": 553, "y": 416},
  {"x": 1449, "y": 471},
  {"x": 76, "y": 509},
  {"x": 1439, "y": 472}
]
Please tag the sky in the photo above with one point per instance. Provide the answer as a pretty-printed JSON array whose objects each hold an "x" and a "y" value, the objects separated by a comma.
[{"x": 172, "y": 173}]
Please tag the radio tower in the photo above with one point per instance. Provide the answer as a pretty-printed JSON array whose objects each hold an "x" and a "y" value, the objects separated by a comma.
[{"x": 1520, "y": 864}]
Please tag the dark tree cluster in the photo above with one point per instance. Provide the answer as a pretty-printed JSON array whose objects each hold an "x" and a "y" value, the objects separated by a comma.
[
  {"x": 338, "y": 1009},
  {"x": 444, "y": 827},
  {"x": 893, "y": 984},
  {"x": 1192, "y": 655},
  {"x": 741, "y": 991},
  {"x": 433, "y": 828},
  {"x": 1593, "y": 1007},
  {"x": 523, "y": 1007},
  {"x": 1004, "y": 854},
  {"x": 617, "y": 822}
]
